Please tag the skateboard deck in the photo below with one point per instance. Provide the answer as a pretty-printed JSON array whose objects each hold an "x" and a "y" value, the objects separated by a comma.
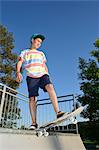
[{"x": 42, "y": 130}]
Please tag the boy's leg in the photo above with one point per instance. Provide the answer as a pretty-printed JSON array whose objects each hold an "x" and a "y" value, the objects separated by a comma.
[
  {"x": 53, "y": 97},
  {"x": 32, "y": 106},
  {"x": 47, "y": 86},
  {"x": 32, "y": 84}
]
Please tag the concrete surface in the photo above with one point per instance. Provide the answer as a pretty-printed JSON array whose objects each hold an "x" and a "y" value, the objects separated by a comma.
[{"x": 27, "y": 140}]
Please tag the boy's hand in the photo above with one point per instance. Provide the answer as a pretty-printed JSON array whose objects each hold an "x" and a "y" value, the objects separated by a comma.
[{"x": 19, "y": 77}]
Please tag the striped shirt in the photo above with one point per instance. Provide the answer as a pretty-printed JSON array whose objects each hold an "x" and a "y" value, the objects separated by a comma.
[{"x": 34, "y": 63}]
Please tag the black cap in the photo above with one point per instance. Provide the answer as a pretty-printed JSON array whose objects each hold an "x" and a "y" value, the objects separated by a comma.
[{"x": 35, "y": 36}]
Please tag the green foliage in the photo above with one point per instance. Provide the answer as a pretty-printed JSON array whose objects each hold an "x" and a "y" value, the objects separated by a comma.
[
  {"x": 7, "y": 58},
  {"x": 97, "y": 43},
  {"x": 89, "y": 74},
  {"x": 88, "y": 131},
  {"x": 95, "y": 53}
]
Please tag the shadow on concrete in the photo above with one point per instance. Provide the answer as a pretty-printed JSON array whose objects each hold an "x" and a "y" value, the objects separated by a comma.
[{"x": 55, "y": 143}]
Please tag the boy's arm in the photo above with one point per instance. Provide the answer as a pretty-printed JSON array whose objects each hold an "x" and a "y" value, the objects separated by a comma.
[{"x": 18, "y": 68}]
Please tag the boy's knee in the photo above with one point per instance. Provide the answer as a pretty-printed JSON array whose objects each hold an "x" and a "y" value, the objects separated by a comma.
[
  {"x": 32, "y": 99},
  {"x": 49, "y": 87}
]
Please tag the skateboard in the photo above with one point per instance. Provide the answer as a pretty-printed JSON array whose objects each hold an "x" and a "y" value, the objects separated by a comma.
[{"x": 42, "y": 130}]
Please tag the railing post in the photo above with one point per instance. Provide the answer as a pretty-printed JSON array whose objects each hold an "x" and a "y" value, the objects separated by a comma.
[
  {"x": 74, "y": 101},
  {"x": 74, "y": 97},
  {"x": 2, "y": 102}
]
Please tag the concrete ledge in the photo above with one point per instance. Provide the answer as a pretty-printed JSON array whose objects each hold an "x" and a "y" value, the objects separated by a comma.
[
  {"x": 27, "y": 140},
  {"x": 16, "y": 131},
  {"x": 31, "y": 132}
]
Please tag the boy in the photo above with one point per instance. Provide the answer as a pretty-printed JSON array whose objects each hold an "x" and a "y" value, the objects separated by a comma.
[{"x": 37, "y": 76}]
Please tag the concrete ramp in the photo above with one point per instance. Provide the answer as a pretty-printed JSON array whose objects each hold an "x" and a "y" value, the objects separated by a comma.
[{"x": 27, "y": 140}]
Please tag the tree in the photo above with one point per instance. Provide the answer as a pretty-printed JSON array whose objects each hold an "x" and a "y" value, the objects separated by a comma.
[
  {"x": 95, "y": 53},
  {"x": 7, "y": 58},
  {"x": 89, "y": 74}
]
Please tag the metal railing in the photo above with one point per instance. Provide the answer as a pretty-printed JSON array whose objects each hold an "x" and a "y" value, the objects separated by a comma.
[
  {"x": 15, "y": 114},
  {"x": 14, "y": 111}
]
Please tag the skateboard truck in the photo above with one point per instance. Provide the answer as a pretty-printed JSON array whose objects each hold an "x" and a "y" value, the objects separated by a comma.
[
  {"x": 73, "y": 120},
  {"x": 42, "y": 132}
]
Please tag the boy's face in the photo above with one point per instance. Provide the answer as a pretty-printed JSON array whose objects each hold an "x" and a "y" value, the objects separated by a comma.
[{"x": 36, "y": 43}]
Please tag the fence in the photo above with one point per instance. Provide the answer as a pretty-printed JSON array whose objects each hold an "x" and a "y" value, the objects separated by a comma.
[{"x": 14, "y": 110}]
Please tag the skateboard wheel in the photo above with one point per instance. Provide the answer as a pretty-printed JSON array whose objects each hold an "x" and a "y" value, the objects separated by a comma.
[
  {"x": 39, "y": 134},
  {"x": 72, "y": 119},
  {"x": 46, "y": 134},
  {"x": 75, "y": 121}
]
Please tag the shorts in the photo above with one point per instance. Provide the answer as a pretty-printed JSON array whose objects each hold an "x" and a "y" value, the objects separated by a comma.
[{"x": 34, "y": 84}]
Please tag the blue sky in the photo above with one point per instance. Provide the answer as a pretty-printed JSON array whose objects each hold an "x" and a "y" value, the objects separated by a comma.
[{"x": 70, "y": 28}]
